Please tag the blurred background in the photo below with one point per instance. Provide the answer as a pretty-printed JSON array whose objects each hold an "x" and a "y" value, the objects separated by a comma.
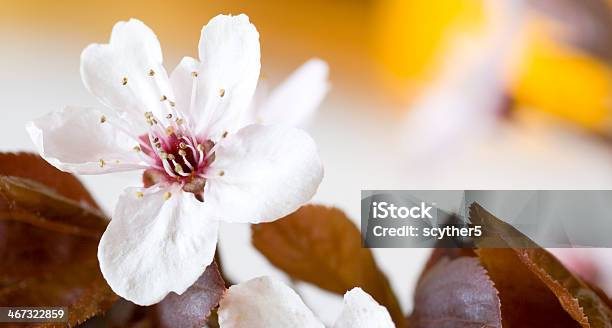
[{"x": 446, "y": 94}]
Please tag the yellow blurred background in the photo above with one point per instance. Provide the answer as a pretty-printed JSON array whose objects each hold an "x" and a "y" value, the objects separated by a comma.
[
  {"x": 391, "y": 48},
  {"x": 550, "y": 75}
]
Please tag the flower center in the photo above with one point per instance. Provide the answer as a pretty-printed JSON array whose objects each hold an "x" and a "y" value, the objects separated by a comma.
[{"x": 176, "y": 154}]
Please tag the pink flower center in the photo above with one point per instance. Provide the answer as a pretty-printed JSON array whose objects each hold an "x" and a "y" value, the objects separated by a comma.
[{"x": 176, "y": 154}]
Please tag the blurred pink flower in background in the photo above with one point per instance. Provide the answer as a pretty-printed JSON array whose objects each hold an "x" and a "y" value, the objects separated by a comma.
[{"x": 592, "y": 264}]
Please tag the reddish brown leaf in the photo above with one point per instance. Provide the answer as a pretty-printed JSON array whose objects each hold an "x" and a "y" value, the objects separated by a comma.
[
  {"x": 534, "y": 287},
  {"x": 33, "y": 167},
  {"x": 446, "y": 253},
  {"x": 602, "y": 295},
  {"x": 48, "y": 246},
  {"x": 123, "y": 314},
  {"x": 456, "y": 294},
  {"x": 60, "y": 213},
  {"x": 79, "y": 286},
  {"x": 41, "y": 229},
  {"x": 320, "y": 245},
  {"x": 442, "y": 248},
  {"x": 525, "y": 300},
  {"x": 194, "y": 306}
]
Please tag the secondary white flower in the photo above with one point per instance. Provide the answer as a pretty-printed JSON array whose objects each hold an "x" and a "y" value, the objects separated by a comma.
[
  {"x": 304, "y": 90},
  {"x": 200, "y": 165},
  {"x": 264, "y": 302}
]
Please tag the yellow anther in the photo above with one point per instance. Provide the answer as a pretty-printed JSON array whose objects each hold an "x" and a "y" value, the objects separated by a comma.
[
  {"x": 167, "y": 195},
  {"x": 179, "y": 121},
  {"x": 178, "y": 168},
  {"x": 151, "y": 72},
  {"x": 139, "y": 194},
  {"x": 194, "y": 74},
  {"x": 102, "y": 119},
  {"x": 182, "y": 152},
  {"x": 124, "y": 80},
  {"x": 169, "y": 130},
  {"x": 137, "y": 148},
  {"x": 221, "y": 92},
  {"x": 163, "y": 155},
  {"x": 182, "y": 145},
  {"x": 101, "y": 162},
  {"x": 163, "y": 98},
  {"x": 200, "y": 147},
  {"x": 221, "y": 173},
  {"x": 148, "y": 114},
  {"x": 172, "y": 104},
  {"x": 171, "y": 157}
]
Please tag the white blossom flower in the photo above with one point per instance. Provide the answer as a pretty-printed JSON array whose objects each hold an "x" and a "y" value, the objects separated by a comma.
[
  {"x": 265, "y": 302},
  {"x": 200, "y": 165}
]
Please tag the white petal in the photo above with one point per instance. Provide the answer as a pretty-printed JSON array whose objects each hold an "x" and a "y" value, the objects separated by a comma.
[
  {"x": 295, "y": 101},
  {"x": 361, "y": 311},
  {"x": 262, "y": 173},
  {"x": 229, "y": 52},
  {"x": 154, "y": 246},
  {"x": 264, "y": 303},
  {"x": 74, "y": 140},
  {"x": 250, "y": 115},
  {"x": 182, "y": 79},
  {"x": 132, "y": 53}
]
